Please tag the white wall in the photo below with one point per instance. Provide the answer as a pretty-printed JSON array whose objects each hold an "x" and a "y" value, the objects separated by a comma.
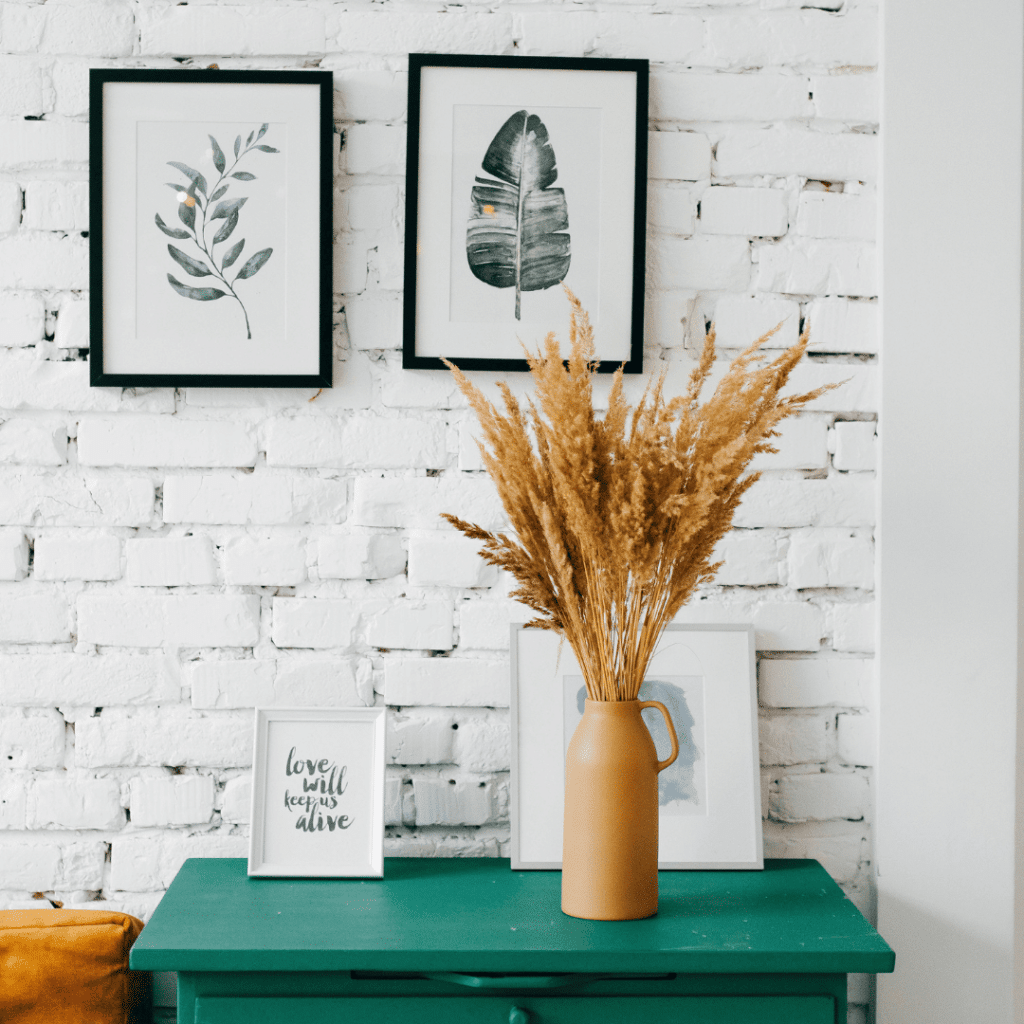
[
  {"x": 171, "y": 559},
  {"x": 949, "y": 508}
]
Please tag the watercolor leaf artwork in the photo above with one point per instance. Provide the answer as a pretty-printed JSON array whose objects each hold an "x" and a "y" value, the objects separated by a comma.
[
  {"x": 198, "y": 196},
  {"x": 517, "y": 235}
]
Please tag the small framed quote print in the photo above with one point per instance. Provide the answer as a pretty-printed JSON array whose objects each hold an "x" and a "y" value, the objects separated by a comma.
[
  {"x": 318, "y": 793},
  {"x": 523, "y": 175},
  {"x": 210, "y": 228},
  {"x": 709, "y": 799}
]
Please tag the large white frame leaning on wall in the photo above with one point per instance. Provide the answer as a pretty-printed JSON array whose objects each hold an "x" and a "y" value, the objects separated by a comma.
[
  {"x": 318, "y": 793},
  {"x": 710, "y": 801}
]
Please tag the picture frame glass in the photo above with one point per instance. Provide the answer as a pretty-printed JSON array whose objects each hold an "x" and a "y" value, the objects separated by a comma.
[
  {"x": 524, "y": 174},
  {"x": 208, "y": 259},
  {"x": 709, "y": 799},
  {"x": 318, "y": 799}
]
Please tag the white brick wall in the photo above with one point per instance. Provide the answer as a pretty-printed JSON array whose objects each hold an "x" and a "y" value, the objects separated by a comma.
[{"x": 170, "y": 560}]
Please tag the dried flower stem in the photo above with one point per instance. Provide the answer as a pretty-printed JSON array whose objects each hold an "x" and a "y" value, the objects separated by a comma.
[{"x": 614, "y": 520}]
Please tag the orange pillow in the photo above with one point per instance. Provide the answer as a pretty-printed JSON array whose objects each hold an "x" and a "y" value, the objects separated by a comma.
[{"x": 70, "y": 967}]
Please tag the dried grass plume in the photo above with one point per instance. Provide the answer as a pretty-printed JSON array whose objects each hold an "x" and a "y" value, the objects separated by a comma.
[{"x": 614, "y": 519}]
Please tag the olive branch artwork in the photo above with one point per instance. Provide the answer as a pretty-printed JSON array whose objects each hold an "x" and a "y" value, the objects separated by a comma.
[{"x": 198, "y": 196}]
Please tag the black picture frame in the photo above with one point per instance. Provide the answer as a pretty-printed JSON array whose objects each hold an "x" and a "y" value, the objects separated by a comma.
[
  {"x": 129, "y": 335},
  {"x": 425, "y": 250}
]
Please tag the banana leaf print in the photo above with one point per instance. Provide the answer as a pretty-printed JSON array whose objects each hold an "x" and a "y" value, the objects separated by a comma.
[
  {"x": 517, "y": 234},
  {"x": 197, "y": 197}
]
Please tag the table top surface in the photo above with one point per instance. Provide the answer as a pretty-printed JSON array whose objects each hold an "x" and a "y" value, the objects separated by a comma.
[{"x": 478, "y": 915}]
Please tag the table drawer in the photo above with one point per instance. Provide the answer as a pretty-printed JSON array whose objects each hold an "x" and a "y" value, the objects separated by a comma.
[{"x": 804, "y": 1009}]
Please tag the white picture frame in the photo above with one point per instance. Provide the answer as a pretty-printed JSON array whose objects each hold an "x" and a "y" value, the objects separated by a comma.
[
  {"x": 710, "y": 813},
  {"x": 333, "y": 755}
]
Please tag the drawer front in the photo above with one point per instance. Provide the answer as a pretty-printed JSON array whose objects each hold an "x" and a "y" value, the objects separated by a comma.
[{"x": 810, "y": 1009}]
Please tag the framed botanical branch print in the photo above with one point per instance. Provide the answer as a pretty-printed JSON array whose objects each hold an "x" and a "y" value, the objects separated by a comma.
[
  {"x": 524, "y": 175},
  {"x": 210, "y": 228}
]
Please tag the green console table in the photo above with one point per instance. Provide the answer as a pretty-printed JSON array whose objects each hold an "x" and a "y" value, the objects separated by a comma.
[{"x": 472, "y": 942}]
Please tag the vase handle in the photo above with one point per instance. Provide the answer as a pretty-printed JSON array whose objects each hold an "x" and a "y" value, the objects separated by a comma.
[{"x": 662, "y": 765}]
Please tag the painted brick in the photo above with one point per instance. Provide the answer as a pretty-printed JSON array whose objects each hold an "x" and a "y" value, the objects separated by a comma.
[
  {"x": 21, "y": 316},
  {"x": 837, "y": 501},
  {"x": 817, "y": 267},
  {"x": 231, "y": 684},
  {"x": 821, "y": 797},
  {"x": 840, "y": 855},
  {"x": 31, "y": 616},
  {"x": 177, "y": 800},
  {"x": 855, "y": 386},
  {"x": 729, "y": 210},
  {"x": 315, "y": 622},
  {"x": 14, "y": 789},
  {"x": 420, "y": 389},
  {"x": 417, "y": 502},
  {"x": 30, "y": 382},
  {"x": 27, "y": 145},
  {"x": 392, "y": 31},
  {"x": 853, "y": 627},
  {"x": 350, "y": 265},
  {"x": 857, "y": 739},
  {"x": 360, "y": 556},
  {"x": 23, "y": 92},
  {"x": 699, "y": 96},
  {"x": 261, "y": 499},
  {"x": 412, "y": 625},
  {"x": 854, "y": 446},
  {"x": 803, "y": 444},
  {"x": 75, "y": 803},
  {"x": 374, "y": 320},
  {"x": 163, "y": 441},
  {"x": 148, "y": 863},
  {"x": 303, "y": 682},
  {"x": 242, "y": 31},
  {"x": 170, "y": 562},
  {"x": 77, "y": 555},
  {"x": 836, "y": 215},
  {"x": 393, "y": 786},
  {"x": 831, "y": 558},
  {"x": 128, "y": 618},
  {"x": 672, "y": 38},
  {"x": 485, "y": 625},
  {"x": 670, "y": 209},
  {"x": 47, "y": 497},
  {"x": 838, "y": 325},
  {"x": 264, "y": 562},
  {"x": 678, "y": 156},
  {"x": 742, "y": 319},
  {"x": 70, "y": 79},
  {"x": 751, "y": 558},
  {"x": 798, "y": 151},
  {"x": 816, "y": 682},
  {"x": 13, "y": 555},
  {"x": 483, "y": 741},
  {"x": 791, "y": 739},
  {"x": 374, "y": 149},
  {"x": 33, "y": 441},
  {"x": 704, "y": 262},
  {"x": 778, "y": 625},
  {"x": 34, "y": 260},
  {"x": 804, "y": 37},
  {"x": 847, "y": 97},
  {"x": 97, "y": 29},
  {"x": 455, "y": 801},
  {"x": 368, "y": 94},
  {"x": 367, "y": 207},
  {"x": 10, "y": 206},
  {"x": 550, "y": 33},
  {"x": 421, "y": 737},
  {"x": 72, "y": 329},
  {"x": 236, "y": 800},
  {"x": 362, "y": 442},
  {"x": 82, "y": 681},
  {"x": 31, "y": 739},
  {"x": 448, "y": 560},
  {"x": 167, "y": 737},
  {"x": 56, "y": 206},
  {"x": 449, "y": 682},
  {"x": 46, "y": 864}
]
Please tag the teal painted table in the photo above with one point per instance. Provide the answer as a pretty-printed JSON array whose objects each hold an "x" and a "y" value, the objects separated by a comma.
[{"x": 471, "y": 942}]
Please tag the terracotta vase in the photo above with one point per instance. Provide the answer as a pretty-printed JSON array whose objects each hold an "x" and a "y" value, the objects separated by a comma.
[{"x": 610, "y": 838}]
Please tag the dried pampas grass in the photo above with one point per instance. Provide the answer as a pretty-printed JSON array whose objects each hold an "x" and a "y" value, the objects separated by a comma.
[{"x": 614, "y": 520}]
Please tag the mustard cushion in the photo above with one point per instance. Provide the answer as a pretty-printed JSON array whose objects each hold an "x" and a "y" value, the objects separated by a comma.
[{"x": 70, "y": 967}]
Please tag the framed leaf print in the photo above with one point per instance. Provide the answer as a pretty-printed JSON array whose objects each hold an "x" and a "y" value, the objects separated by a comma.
[
  {"x": 524, "y": 175},
  {"x": 210, "y": 228}
]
